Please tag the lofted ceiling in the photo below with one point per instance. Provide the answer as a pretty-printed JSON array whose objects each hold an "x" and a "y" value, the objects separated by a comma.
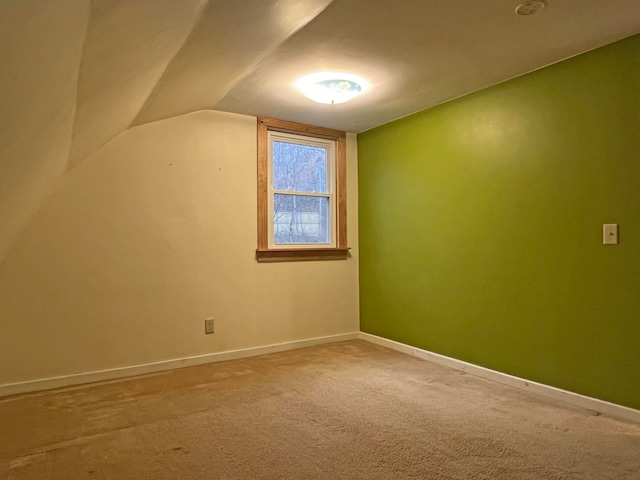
[{"x": 147, "y": 60}]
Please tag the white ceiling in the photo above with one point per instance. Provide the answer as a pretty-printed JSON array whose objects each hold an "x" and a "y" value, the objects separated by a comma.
[
  {"x": 146, "y": 60},
  {"x": 244, "y": 56}
]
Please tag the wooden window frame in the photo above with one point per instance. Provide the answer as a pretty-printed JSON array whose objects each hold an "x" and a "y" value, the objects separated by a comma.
[{"x": 292, "y": 253}]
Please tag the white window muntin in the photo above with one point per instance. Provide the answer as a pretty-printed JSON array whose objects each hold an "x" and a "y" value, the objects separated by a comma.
[{"x": 330, "y": 148}]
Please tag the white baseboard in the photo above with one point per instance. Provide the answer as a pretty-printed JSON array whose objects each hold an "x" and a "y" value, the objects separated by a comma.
[
  {"x": 143, "y": 369},
  {"x": 601, "y": 406},
  {"x": 589, "y": 403}
]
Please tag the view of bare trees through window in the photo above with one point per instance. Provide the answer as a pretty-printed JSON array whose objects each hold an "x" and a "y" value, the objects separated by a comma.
[{"x": 301, "y": 201}]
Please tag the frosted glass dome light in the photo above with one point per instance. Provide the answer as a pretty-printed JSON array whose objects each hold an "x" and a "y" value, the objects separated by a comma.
[{"x": 331, "y": 87}]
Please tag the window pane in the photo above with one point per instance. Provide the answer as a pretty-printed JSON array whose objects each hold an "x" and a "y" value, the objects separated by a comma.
[
  {"x": 300, "y": 219},
  {"x": 299, "y": 168}
]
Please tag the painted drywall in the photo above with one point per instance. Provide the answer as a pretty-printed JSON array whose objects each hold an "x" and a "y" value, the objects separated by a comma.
[
  {"x": 127, "y": 48},
  {"x": 229, "y": 40},
  {"x": 116, "y": 242},
  {"x": 143, "y": 240},
  {"x": 481, "y": 226},
  {"x": 40, "y": 47}
]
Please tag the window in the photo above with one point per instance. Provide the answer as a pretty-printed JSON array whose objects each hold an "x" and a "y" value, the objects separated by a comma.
[{"x": 301, "y": 192}]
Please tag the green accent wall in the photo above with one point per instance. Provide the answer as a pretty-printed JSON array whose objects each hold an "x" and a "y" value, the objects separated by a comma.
[{"x": 481, "y": 226}]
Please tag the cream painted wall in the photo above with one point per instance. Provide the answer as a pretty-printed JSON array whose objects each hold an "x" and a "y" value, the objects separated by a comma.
[
  {"x": 147, "y": 237},
  {"x": 40, "y": 50},
  {"x": 127, "y": 48}
]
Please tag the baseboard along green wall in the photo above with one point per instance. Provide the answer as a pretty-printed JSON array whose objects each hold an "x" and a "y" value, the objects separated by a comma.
[{"x": 481, "y": 226}]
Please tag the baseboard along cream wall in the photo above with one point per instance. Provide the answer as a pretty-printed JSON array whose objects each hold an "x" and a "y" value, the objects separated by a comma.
[
  {"x": 163, "y": 366},
  {"x": 146, "y": 238},
  {"x": 570, "y": 398}
]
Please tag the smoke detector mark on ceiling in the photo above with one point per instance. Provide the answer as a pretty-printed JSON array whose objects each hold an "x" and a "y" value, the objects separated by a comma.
[{"x": 530, "y": 8}]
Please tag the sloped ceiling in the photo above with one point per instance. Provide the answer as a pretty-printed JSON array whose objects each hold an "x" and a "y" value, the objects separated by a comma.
[
  {"x": 40, "y": 52},
  {"x": 78, "y": 73},
  {"x": 146, "y": 60},
  {"x": 150, "y": 60},
  {"x": 127, "y": 49}
]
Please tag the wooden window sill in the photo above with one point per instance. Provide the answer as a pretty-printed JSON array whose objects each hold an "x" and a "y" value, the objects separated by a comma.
[{"x": 301, "y": 254}]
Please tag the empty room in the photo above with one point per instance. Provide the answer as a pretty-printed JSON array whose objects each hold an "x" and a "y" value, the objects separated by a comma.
[{"x": 319, "y": 239}]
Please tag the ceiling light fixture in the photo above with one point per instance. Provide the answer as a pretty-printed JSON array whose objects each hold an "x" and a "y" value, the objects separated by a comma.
[
  {"x": 530, "y": 8},
  {"x": 331, "y": 87}
]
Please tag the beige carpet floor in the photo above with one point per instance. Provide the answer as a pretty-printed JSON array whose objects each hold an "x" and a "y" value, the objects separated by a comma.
[{"x": 348, "y": 410}]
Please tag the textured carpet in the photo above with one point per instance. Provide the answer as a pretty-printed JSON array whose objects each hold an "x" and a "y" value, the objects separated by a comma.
[{"x": 349, "y": 410}]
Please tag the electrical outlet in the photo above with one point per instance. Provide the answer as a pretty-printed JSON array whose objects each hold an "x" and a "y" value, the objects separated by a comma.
[{"x": 208, "y": 325}]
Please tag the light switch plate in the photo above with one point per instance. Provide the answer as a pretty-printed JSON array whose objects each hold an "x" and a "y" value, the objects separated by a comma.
[
  {"x": 209, "y": 325},
  {"x": 610, "y": 234}
]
